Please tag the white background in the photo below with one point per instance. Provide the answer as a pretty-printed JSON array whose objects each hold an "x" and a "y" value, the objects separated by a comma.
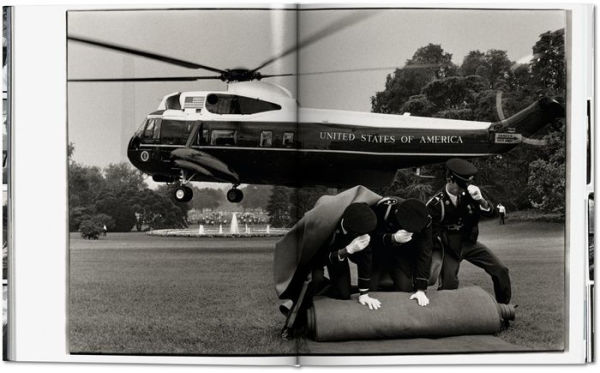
[{"x": 41, "y": 176}]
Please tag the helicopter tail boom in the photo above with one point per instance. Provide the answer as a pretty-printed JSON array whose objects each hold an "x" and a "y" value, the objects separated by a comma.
[{"x": 529, "y": 120}]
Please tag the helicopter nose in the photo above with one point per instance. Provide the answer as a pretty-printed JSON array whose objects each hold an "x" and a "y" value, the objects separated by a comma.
[{"x": 134, "y": 143}]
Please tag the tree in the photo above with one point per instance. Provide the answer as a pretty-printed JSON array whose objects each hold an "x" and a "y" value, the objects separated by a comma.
[
  {"x": 427, "y": 64},
  {"x": 207, "y": 198},
  {"x": 499, "y": 70},
  {"x": 433, "y": 55},
  {"x": 256, "y": 196},
  {"x": 455, "y": 92},
  {"x": 418, "y": 105},
  {"x": 90, "y": 230},
  {"x": 117, "y": 204},
  {"x": 493, "y": 67},
  {"x": 306, "y": 197},
  {"x": 472, "y": 62},
  {"x": 548, "y": 64},
  {"x": 408, "y": 185},
  {"x": 116, "y": 197},
  {"x": 84, "y": 182},
  {"x": 122, "y": 175},
  {"x": 547, "y": 178},
  {"x": 279, "y": 207}
]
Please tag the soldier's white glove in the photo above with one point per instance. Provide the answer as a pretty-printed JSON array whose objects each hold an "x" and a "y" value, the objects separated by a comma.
[
  {"x": 366, "y": 300},
  {"x": 421, "y": 298},
  {"x": 474, "y": 192},
  {"x": 402, "y": 236},
  {"x": 358, "y": 244}
]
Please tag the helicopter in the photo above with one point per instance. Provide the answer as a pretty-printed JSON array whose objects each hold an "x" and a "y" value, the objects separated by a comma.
[{"x": 255, "y": 133}]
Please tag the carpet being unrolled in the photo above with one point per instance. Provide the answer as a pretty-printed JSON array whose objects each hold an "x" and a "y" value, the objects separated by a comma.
[{"x": 465, "y": 311}]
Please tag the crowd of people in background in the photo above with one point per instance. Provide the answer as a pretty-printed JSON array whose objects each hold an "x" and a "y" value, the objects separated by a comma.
[{"x": 224, "y": 217}]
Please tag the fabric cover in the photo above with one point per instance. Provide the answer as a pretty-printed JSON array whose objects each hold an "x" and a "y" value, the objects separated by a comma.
[
  {"x": 465, "y": 311},
  {"x": 301, "y": 243}
]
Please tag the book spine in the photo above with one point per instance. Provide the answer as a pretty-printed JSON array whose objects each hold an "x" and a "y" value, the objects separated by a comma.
[{"x": 7, "y": 43}]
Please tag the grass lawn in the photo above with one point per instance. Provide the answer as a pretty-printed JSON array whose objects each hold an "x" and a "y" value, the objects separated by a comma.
[{"x": 135, "y": 294}]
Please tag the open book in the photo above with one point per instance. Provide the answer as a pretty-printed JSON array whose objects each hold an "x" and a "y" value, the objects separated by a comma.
[{"x": 299, "y": 185}]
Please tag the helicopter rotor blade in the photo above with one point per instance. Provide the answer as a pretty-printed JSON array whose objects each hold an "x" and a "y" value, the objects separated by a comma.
[
  {"x": 365, "y": 69},
  {"x": 499, "y": 110},
  {"x": 141, "y": 53},
  {"x": 148, "y": 79},
  {"x": 275, "y": 75},
  {"x": 329, "y": 30}
]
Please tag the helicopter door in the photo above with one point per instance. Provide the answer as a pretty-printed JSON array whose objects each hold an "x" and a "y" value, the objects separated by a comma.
[{"x": 201, "y": 136}]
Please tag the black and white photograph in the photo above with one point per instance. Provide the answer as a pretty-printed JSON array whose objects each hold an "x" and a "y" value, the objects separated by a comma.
[{"x": 315, "y": 181}]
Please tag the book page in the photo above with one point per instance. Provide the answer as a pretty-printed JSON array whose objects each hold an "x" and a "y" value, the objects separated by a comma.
[
  {"x": 145, "y": 275},
  {"x": 386, "y": 102}
]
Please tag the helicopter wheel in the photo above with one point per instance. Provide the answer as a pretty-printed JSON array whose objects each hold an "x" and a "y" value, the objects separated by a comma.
[
  {"x": 183, "y": 194},
  {"x": 235, "y": 195}
]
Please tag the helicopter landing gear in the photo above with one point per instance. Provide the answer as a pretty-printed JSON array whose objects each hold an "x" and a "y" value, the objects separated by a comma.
[
  {"x": 235, "y": 195},
  {"x": 183, "y": 194}
]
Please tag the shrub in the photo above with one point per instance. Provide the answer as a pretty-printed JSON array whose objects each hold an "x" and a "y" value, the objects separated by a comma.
[{"x": 90, "y": 229}]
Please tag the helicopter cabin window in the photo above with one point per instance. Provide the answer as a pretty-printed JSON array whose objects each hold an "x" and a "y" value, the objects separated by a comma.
[
  {"x": 231, "y": 104},
  {"x": 175, "y": 132},
  {"x": 288, "y": 139},
  {"x": 222, "y": 137},
  {"x": 266, "y": 139}
]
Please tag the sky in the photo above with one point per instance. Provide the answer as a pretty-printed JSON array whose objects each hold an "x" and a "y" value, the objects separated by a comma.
[{"x": 103, "y": 116}]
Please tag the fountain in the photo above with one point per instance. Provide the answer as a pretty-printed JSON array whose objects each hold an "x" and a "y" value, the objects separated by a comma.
[
  {"x": 233, "y": 228},
  {"x": 218, "y": 231}
]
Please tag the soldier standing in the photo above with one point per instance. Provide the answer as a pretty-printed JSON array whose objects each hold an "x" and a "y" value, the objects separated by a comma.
[
  {"x": 455, "y": 212},
  {"x": 501, "y": 212}
]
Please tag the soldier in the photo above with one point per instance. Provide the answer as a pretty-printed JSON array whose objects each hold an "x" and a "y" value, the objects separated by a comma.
[
  {"x": 501, "y": 212},
  {"x": 402, "y": 246},
  {"x": 329, "y": 234},
  {"x": 456, "y": 211},
  {"x": 350, "y": 241}
]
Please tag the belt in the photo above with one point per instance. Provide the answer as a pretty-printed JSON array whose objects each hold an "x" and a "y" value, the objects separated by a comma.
[{"x": 453, "y": 227}]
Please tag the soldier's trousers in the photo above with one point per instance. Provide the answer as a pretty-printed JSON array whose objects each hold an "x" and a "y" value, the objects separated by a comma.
[{"x": 482, "y": 257}]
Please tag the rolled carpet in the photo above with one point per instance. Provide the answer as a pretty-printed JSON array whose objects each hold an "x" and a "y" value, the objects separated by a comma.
[{"x": 464, "y": 311}]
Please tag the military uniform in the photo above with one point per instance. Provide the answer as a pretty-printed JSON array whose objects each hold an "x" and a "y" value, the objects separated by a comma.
[
  {"x": 408, "y": 264},
  {"x": 338, "y": 267},
  {"x": 455, "y": 230}
]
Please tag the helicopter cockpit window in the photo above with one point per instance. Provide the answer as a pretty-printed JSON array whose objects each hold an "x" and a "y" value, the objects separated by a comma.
[
  {"x": 149, "y": 131},
  {"x": 231, "y": 104},
  {"x": 222, "y": 137},
  {"x": 175, "y": 132},
  {"x": 266, "y": 139}
]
